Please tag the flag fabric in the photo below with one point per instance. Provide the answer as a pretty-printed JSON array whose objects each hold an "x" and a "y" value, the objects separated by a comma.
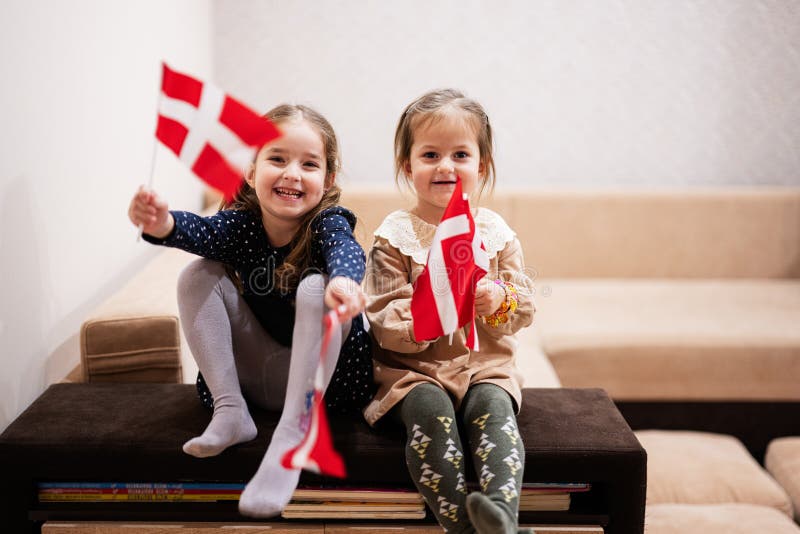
[
  {"x": 444, "y": 294},
  {"x": 315, "y": 452},
  {"x": 213, "y": 134}
]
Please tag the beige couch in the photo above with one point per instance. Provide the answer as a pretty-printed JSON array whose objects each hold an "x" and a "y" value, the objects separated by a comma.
[{"x": 654, "y": 295}]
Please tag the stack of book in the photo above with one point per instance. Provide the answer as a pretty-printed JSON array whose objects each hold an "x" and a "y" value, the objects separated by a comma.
[
  {"x": 337, "y": 502},
  {"x": 540, "y": 497},
  {"x": 137, "y": 491}
]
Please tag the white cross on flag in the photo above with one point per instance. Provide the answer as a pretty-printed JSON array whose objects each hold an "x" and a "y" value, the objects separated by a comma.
[
  {"x": 216, "y": 136},
  {"x": 444, "y": 294}
]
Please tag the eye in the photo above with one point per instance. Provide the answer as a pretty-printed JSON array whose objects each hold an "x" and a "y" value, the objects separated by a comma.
[
  {"x": 275, "y": 159},
  {"x": 461, "y": 154},
  {"x": 429, "y": 155},
  {"x": 312, "y": 164}
]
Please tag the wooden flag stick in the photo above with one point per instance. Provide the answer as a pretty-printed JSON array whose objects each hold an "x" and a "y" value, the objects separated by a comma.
[
  {"x": 149, "y": 184},
  {"x": 152, "y": 157}
]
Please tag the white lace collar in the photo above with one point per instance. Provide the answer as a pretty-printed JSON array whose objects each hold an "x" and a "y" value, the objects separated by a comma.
[{"x": 413, "y": 236}]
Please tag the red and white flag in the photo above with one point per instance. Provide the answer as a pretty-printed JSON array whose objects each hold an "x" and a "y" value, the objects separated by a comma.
[
  {"x": 444, "y": 294},
  {"x": 216, "y": 136},
  {"x": 315, "y": 452}
]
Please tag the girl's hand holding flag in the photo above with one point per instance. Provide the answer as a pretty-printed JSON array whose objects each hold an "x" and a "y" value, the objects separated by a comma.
[
  {"x": 150, "y": 212},
  {"x": 345, "y": 296},
  {"x": 489, "y": 296}
]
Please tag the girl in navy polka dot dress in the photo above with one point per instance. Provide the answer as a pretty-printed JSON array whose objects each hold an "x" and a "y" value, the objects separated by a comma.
[{"x": 273, "y": 262}]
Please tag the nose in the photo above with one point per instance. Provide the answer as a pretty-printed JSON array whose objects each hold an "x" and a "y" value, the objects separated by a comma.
[
  {"x": 292, "y": 171},
  {"x": 445, "y": 166}
]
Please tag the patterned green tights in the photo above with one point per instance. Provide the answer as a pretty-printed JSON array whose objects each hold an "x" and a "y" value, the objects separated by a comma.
[{"x": 435, "y": 457}]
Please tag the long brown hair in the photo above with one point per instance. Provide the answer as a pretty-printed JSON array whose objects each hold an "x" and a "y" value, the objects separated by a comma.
[
  {"x": 436, "y": 105},
  {"x": 287, "y": 275}
]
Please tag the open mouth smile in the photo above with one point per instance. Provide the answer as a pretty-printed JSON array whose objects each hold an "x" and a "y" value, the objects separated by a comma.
[{"x": 288, "y": 193}]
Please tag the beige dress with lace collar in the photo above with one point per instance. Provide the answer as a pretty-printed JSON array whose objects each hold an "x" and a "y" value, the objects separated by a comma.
[{"x": 397, "y": 258}]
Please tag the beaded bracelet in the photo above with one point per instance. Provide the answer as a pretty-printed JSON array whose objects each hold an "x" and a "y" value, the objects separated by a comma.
[{"x": 509, "y": 305}]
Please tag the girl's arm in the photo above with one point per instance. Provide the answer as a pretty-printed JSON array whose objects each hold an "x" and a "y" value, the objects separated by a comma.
[
  {"x": 344, "y": 260},
  {"x": 389, "y": 291},
  {"x": 223, "y": 237},
  {"x": 333, "y": 238},
  {"x": 511, "y": 268}
]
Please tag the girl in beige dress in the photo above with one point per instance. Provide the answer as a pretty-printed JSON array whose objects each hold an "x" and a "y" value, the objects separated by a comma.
[{"x": 442, "y": 392}]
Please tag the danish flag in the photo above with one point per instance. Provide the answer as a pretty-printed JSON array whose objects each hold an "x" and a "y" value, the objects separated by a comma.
[
  {"x": 444, "y": 294},
  {"x": 216, "y": 136},
  {"x": 315, "y": 452}
]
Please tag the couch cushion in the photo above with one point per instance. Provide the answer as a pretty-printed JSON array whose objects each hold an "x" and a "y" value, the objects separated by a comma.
[
  {"x": 677, "y": 233},
  {"x": 674, "y": 339},
  {"x": 704, "y": 468},
  {"x": 783, "y": 462},
  {"x": 716, "y": 518},
  {"x": 131, "y": 349},
  {"x": 533, "y": 363},
  {"x": 136, "y": 324}
]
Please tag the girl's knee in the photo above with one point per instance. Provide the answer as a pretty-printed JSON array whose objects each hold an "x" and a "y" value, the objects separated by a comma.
[
  {"x": 199, "y": 274},
  {"x": 311, "y": 290},
  {"x": 490, "y": 397},
  {"x": 428, "y": 398}
]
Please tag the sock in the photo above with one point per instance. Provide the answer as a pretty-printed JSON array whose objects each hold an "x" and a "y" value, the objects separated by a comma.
[
  {"x": 230, "y": 424},
  {"x": 486, "y": 516},
  {"x": 202, "y": 290},
  {"x": 272, "y": 486}
]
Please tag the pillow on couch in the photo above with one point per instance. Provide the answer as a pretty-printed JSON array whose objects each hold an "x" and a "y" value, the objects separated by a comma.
[
  {"x": 783, "y": 462},
  {"x": 713, "y": 518},
  {"x": 702, "y": 468}
]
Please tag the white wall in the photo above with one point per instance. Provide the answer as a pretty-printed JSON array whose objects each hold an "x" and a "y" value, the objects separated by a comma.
[
  {"x": 581, "y": 92},
  {"x": 80, "y": 82}
]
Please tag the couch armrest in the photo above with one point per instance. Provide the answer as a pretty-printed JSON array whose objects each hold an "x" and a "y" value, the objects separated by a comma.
[{"x": 131, "y": 349}]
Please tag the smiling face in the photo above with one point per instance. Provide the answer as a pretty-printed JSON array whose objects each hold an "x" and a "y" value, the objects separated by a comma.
[
  {"x": 441, "y": 150},
  {"x": 289, "y": 178}
]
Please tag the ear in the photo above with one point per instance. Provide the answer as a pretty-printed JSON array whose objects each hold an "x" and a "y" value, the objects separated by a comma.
[
  {"x": 250, "y": 175},
  {"x": 482, "y": 170},
  {"x": 329, "y": 181},
  {"x": 407, "y": 168}
]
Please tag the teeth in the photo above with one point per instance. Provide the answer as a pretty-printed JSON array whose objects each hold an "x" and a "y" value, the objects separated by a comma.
[{"x": 288, "y": 192}]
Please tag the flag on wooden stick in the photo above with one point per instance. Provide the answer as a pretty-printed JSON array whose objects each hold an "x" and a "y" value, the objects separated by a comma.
[
  {"x": 315, "y": 452},
  {"x": 444, "y": 294},
  {"x": 213, "y": 134}
]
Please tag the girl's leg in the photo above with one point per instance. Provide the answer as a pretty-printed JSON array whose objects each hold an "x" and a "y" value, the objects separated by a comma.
[
  {"x": 498, "y": 456},
  {"x": 218, "y": 324},
  {"x": 272, "y": 486},
  {"x": 434, "y": 455}
]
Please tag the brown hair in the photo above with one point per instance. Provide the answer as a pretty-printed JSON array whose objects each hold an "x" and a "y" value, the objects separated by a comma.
[
  {"x": 434, "y": 106},
  {"x": 287, "y": 275}
]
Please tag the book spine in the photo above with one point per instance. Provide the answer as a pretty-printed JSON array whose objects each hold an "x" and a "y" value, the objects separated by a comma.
[
  {"x": 124, "y": 497},
  {"x": 141, "y": 485}
]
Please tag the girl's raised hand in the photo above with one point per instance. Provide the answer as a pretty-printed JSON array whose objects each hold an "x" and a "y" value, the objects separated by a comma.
[
  {"x": 151, "y": 212},
  {"x": 345, "y": 296},
  {"x": 488, "y": 297}
]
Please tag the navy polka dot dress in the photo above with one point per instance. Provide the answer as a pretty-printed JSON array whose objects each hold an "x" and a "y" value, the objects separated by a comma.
[{"x": 237, "y": 238}]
